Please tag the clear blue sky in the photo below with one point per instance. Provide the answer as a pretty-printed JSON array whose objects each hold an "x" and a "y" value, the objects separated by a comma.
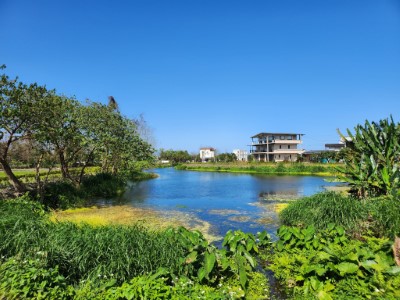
[{"x": 214, "y": 73}]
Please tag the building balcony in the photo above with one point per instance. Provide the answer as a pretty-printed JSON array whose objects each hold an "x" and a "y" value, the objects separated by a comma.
[
  {"x": 287, "y": 142},
  {"x": 279, "y": 151}
]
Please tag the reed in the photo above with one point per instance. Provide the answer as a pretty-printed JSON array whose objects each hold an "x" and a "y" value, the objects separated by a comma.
[
  {"x": 325, "y": 208},
  {"x": 84, "y": 252}
]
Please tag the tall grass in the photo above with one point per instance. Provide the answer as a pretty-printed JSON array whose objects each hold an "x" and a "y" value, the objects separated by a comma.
[
  {"x": 84, "y": 252},
  {"x": 324, "y": 208},
  {"x": 375, "y": 216},
  {"x": 385, "y": 216}
]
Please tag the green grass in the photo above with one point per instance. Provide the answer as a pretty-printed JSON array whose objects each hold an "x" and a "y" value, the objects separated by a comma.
[
  {"x": 83, "y": 251},
  {"x": 376, "y": 216},
  {"x": 324, "y": 208},
  {"x": 264, "y": 168}
]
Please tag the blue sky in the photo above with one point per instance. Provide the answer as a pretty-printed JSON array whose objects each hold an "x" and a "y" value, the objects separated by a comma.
[{"x": 214, "y": 73}]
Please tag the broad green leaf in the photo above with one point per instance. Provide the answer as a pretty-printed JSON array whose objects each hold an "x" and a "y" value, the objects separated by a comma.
[
  {"x": 394, "y": 270},
  {"x": 250, "y": 259},
  {"x": 191, "y": 257},
  {"x": 323, "y": 295},
  {"x": 209, "y": 262},
  {"x": 242, "y": 276},
  {"x": 347, "y": 268},
  {"x": 201, "y": 274}
]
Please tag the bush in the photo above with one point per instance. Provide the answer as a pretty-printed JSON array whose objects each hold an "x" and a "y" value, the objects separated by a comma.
[
  {"x": 325, "y": 208},
  {"x": 103, "y": 185},
  {"x": 61, "y": 195}
]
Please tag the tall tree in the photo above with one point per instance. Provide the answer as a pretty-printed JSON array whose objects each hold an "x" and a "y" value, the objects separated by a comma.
[
  {"x": 59, "y": 129},
  {"x": 18, "y": 108}
]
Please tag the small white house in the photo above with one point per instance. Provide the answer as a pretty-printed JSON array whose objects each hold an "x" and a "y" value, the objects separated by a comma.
[
  {"x": 240, "y": 154},
  {"x": 207, "y": 153}
]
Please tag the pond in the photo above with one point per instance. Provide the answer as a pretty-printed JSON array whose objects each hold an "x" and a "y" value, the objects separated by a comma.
[{"x": 224, "y": 200}]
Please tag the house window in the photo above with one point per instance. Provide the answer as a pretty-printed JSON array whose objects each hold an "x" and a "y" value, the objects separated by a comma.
[
  {"x": 282, "y": 137},
  {"x": 280, "y": 146},
  {"x": 288, "y": 146}
]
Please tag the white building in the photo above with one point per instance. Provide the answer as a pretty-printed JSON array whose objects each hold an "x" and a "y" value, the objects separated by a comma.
[
  {"x": 207, "y": 153},
  {"x": 276, "y": 146},
  {"x": 240, "y": 154}
]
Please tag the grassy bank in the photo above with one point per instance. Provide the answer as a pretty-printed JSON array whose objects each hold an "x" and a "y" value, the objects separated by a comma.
[
  {"x": 378, "y": 217},
  {"x": 43, "y": 259},
  {"x": 264, "y": 168}
]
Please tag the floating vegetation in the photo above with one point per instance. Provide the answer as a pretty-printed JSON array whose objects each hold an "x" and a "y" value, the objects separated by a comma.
[
  {"x": 224, "y": 212},
  {"x": 279, "y": 197},
  {"x": 344, "y": 189},
  {"x": 266, "y": 220},
  {"x": 128, "y": 215},
  {"x": 240, "y": 218}
]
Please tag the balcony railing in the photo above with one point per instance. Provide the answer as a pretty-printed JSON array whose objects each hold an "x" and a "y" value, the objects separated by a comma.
[
  {"x": 279, "y": 151},
  {"x": 278, "y": 142}
]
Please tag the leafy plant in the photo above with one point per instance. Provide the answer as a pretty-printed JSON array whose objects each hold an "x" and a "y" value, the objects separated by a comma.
[
  {"x": 206, "y": 263},
  {"x": 31, "y": 279},
  {"x": 327, "y": 265},
  {"x": 372, "y": 166}
]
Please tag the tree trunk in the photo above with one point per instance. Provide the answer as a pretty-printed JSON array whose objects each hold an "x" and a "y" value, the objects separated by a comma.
[
  {"x": 16, "y": 183},
  {"x": 64, "y": 166},
  {"x": 39, "y": 185},
  {"x": 89, "y": 158}
]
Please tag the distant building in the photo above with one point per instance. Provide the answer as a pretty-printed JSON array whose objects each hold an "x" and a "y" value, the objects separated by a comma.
[
  {"x": 276, "y": 146},
  {"x": 240, "y": 154},
  {"x": 334, "y": 147},
  {"x": 207, "y": 153}
]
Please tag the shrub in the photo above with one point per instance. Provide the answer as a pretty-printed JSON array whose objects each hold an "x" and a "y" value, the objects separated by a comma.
[
  {"x": 325, "y": 208},
  {"x": 61, "y": 195},
  {"x": 103, "y": 185}
]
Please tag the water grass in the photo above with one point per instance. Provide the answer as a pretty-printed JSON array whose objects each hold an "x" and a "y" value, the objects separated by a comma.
[
  {"x": 325, "y": 208},
  {"x": 83, "y": 251}
]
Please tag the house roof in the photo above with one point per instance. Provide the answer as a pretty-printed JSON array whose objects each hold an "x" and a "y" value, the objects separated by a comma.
[
  {"x": 275, "y": 133},
  {"x": 335, "y": 145},
  {"x": 316, "y": 151},
  {"x": 208, "y": 148}
]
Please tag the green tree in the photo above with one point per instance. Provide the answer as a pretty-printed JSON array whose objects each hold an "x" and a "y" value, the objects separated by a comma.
[
  {"x": 59, "y": 129},
  {"x": 372, "y": 161},
  {"x": 226, "y": 157},
  {"x": 175, "y": 156},
  {"x": 18, "y": 109}
]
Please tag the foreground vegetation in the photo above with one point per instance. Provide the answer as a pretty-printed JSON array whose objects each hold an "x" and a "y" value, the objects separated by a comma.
[
  {"x": 264, "y": 168},
  {"x": 43, "y": 259}
]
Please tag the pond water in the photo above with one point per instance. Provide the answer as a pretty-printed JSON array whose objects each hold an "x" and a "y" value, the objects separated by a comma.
[{"x": 225, "y": 200}]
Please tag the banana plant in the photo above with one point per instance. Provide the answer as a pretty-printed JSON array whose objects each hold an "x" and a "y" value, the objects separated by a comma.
[{"x": 372, "y": 168}]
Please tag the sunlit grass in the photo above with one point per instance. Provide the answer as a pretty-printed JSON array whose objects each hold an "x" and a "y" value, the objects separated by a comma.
[
  {"x": 264, "y": 168},
  {"x": 128, "y": 215}
]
